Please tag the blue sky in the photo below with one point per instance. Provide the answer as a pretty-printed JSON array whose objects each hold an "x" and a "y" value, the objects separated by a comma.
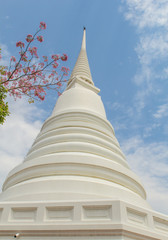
[{"x": 127, "y": 47}]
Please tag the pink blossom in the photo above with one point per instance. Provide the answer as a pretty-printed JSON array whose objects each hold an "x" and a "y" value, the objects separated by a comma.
[
  {"x": 45, "y": 81},
  {"x": 29, "y": 38},
  {"x": 41, "y": 97},
  {"x": 16, "y": 71},
  {"x": 23, "y": 56},
  {"x": 64, "y": 57},
  {"x": 41, "y": 65},
  {"x": 59, "y": 84},
  {"x": 55, "y": 65},
  {"x": 40, "y": 38},
  {"x": 25, "y": 70},
  {"x": 13, "y": 59},
  {"x": 55, "y": 57},
  {"x": 18, "y": 66},
  {"x": 0, "y": 56},
  {"x": 34, "y": 79},
  {"x": 43, "y": 25},
  {"x": 20, "y": 44},
  {"x": 33, "y": 50},
  {"x": 65, "y": 71},
  {"x": 51, "y": 75},
  {"x": 8, "y": 74},
  {"x": 39, "y": 74},
  {"x": 45, "y": 58},
  {"x": 4, "y": 79}
]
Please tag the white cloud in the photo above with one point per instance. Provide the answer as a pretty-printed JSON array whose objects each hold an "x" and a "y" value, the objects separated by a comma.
[
  {"x": 4, "y": 61},
  {"x": 150, "y": 162},
  {"x": 152, "y": 46},
  {"x": 151, "y": 21},
  {"x": 162, "y": 111},
  {"x": 113, "y": 106},
  {"x": 140, "y": 99},
  {"x": 17, "y": 134},
  {"x": 148, "y": 129},
  {"x": 149, "y": 158},
  {"x": 149, "y": 13},
  {"x": 120, "y": 113}
]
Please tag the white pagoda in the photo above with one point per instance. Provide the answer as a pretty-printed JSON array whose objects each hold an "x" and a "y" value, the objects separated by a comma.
[{"x": 75, "y": 183}]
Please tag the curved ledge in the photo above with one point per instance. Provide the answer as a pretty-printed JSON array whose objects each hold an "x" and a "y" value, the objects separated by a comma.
[
  {"x": 77, "y": 130},
  {"x": 78, "y": 118},
  {"x": 69, "y": 138},
  {"x": 77, "y": 147},
  {"x": 86, "y": 167}
]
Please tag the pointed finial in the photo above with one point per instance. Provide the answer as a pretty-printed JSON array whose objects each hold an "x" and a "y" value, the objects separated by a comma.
[
  {"x": 84, "y": 39},
  {"x": 81, "y": 68}
]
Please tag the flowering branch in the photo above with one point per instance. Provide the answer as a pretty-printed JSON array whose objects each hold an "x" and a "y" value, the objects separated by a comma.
[
  {"x": 29, "y": 76},
  {"x": 23, "y": 77}
]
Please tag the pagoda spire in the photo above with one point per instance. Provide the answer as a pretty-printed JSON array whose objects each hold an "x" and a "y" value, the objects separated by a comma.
[
  {"x": 82, "y": 68},
  {"x": 84, "y": 39}
]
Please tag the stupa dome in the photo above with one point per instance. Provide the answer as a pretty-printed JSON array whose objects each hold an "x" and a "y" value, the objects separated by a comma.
[{"x": 76, "y": 154}]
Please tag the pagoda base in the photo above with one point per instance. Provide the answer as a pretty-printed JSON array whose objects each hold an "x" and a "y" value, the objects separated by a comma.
[{"x": 85, "y": 220}]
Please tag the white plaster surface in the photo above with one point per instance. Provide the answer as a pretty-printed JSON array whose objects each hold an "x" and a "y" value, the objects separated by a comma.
[{"x": 105, "y": 219}]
